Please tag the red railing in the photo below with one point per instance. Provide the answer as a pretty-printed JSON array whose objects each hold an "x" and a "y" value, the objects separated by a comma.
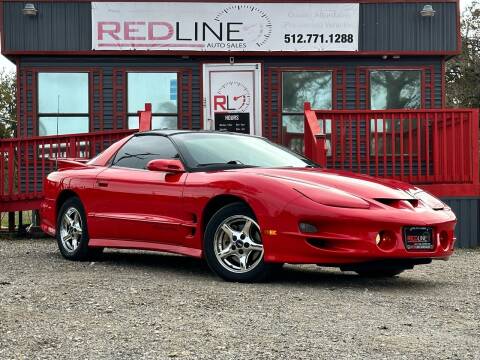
[
  {"x": 24, "y": 163},
  {"x": 435, "y": 146}
]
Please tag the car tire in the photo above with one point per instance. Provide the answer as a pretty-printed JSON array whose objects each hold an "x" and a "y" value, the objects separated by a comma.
[
  {"x": 379, "y": 273},
  {"x": 233, "y": 250},
  {"x": 72, "y": 233}
]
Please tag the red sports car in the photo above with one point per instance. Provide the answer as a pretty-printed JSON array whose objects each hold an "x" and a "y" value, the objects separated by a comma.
[{"x": 244, "y": 204}]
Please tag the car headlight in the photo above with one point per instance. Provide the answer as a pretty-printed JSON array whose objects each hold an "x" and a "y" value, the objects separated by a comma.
[
  {"x": 334, "y": 197},
  {"x": 429, "y": 200}
]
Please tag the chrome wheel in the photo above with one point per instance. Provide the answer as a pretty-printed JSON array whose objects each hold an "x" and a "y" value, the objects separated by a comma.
[
  {"x": 238, "y": 245},
  {"x": 71, "y": 229}
]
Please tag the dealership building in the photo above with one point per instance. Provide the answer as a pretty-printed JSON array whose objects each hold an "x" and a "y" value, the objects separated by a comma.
[{"x": 89, "y": 67}]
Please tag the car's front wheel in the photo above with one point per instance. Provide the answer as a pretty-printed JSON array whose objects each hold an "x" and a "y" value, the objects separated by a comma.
[
  {"x": 233, "y": 245},
  {"x": 72, "y": 233}
]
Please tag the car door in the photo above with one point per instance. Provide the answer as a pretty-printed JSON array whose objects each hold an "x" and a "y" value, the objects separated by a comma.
[{"x": 135, "y": 204}]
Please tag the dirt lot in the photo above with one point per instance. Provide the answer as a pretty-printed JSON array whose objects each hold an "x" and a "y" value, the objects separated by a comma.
[{"x": 144, "y": 305}]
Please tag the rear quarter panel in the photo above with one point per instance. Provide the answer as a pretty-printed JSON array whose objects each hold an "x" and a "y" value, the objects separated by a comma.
[{"x": 79, "y": 181}]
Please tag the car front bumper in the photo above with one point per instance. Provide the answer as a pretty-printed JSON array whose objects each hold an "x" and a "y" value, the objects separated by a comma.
[{"x": 347, "y": 236}]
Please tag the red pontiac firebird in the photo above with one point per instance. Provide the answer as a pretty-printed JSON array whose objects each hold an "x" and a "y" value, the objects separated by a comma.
[{"x": 244, "y": 204}]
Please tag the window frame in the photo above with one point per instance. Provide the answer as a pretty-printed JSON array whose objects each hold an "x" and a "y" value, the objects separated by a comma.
[
  {"x": 176, "y": 71},
  {"x": 420, "y": 69},
  {"x": 387, "y": 134},
  {"x": 334, "y": 95},
  {"x": 300, "y": 70},
  {"x": 36, "y": 96}
]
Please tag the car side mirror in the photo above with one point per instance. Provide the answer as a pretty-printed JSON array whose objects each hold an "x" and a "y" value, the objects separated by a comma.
[{"x": 173, "y": 166}]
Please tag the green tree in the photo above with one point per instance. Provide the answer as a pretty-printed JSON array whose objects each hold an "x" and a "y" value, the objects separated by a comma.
[
  {"x": 8, "y": 108},
  {"x": 401, "y": 89},
  {"x": 463, "y": 71}
]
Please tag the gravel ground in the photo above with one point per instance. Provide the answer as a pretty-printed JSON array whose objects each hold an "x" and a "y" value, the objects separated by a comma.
[{"x": 140, "y": 305}]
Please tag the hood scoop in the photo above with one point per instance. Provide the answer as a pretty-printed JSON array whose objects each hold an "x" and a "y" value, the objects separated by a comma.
[{"x": 400, "y": 203}]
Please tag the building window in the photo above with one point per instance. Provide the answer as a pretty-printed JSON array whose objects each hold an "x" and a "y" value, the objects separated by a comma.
[
  {"x": 159, "y": 89},
  {"x": 62, "y": 103},
  {"x": 297, "y": 88},
  {"x": 394, "y": 89}
]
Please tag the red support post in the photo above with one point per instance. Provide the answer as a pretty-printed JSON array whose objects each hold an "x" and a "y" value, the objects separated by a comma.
[
  {"x": 145, "y": 118},
  {"x": 475, "y": 140},
  {"x": 11, "y": 165},
  {"x": 314, "y": 138},
  {"x": 307, "y": 143},
  {"x": 73, "y": 147}
]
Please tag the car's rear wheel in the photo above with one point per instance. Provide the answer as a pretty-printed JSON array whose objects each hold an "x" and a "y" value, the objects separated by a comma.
[
  {"x": 233, "y": 245},
  {"x": 72, "y": 232},
  {"x": 384, "y": 273}
]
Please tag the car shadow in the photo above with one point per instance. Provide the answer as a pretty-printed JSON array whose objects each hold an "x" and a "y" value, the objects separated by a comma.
[
  {"x": 156, "y": 262},
  {"x": 289, "y": 275},
  {"x": 333, "y": 278}
]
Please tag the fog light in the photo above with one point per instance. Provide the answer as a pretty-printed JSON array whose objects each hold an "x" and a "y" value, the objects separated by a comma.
[
  {"x": 385, "y": 240},
  {"x": 307, "y": 228},
  {"x": 444, "y": 240}
]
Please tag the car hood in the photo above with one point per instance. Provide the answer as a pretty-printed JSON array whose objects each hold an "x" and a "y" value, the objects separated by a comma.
[{"x": 360, "y": 185}]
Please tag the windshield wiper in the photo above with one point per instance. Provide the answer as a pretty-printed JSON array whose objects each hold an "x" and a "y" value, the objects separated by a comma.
[{"x": 231, "y": 163}]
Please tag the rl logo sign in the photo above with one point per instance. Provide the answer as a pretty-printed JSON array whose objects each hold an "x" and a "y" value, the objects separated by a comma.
[{"x": 222, "y": 102}]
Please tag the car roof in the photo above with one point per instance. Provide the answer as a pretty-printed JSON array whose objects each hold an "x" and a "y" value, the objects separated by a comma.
[{"x": 169, "y": 133}]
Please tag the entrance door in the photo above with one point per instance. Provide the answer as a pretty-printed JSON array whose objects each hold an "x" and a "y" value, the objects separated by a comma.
[{"x": 232, "y": 99}]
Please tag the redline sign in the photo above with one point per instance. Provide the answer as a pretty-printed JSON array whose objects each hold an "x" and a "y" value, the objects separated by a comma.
[{"x": 225, "y": 26}]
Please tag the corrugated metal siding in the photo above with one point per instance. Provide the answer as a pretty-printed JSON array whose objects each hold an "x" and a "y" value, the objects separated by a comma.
[
  {"x": 399, "y": 26},
  {"x": 383, "y": 27},
  {"x": 468, "y": 215},
  {"x": 58, "y": 26}
]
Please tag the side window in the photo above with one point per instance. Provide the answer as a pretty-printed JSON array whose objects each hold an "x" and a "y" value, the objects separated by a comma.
[
  {"x": 159, "y": 89},
  {"x": 298, "y": 87},
  {"x": 63, "y": 106},
  {"x": 395, "y": 89},
  {"x": 139, "y": 150}
]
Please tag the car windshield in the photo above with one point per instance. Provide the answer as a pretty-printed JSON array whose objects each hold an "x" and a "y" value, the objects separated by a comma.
[{"x": 216, "y": 150}]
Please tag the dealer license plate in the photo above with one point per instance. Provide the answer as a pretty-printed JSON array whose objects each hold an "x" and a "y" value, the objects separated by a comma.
[{"x": 418, "y": 238}]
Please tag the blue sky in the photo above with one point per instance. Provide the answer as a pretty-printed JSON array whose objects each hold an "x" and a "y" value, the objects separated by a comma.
[{"x": 4, "y": 63}]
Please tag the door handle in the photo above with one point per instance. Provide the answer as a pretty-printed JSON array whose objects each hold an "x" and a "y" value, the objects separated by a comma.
[{"x": 102, "y": 184}]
